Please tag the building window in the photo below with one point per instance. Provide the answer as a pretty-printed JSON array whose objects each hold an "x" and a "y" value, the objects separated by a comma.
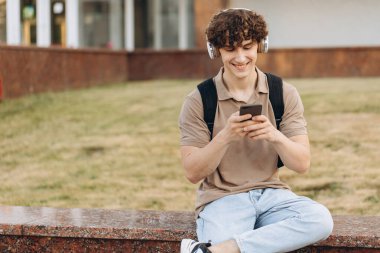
[
  {"x": 190, "y": 24},
  {"x": 143, "y": 24},
  {"x": 168, "y": 18},
  {"x": 3, "y": 20},
  {"x": 94, "y": 22},
  {"x": 157, "y": 24},
  {"x": 28, "y": 20},
  {"x": 101, "y": 23},
  {"x": 58, "y": 22}
]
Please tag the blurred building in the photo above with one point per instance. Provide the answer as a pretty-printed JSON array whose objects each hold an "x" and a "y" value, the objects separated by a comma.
[
  {"x": 179, "y": 24},
  {"x": 98, "y": 23},
  {"x": 319, "y": 23}
]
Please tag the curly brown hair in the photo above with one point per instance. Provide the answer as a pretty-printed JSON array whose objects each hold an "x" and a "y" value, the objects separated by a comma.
[{"x": 234, "y": 26}]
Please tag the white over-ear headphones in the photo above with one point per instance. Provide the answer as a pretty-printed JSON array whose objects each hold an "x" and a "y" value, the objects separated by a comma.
[
  {"x": 212, "y": 51},
  {"x": 262, "y": 47}
]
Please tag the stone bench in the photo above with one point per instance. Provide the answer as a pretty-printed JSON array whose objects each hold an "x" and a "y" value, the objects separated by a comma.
[{"x": 41, "y": 229}]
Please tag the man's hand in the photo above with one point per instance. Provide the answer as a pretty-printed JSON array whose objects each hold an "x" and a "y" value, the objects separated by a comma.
[
  {"x": 235, "y": 127},
  {"x": 294, "y": 151},
  {"x": 201, "y": 162},
  {"x": 261, "y": 129}
]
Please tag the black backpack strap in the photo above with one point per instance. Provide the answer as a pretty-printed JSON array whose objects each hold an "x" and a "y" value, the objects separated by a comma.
[
  {"x": 276, "y": 97},
  {"x": 209, "y": 100},
  {"x": 277, "y": 100}
]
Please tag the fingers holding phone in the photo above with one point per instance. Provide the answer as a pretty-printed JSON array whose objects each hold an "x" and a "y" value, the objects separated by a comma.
[
  {"x": 234, "y": 128},
  {"x": 261, "y": 128},
  {"x": 252, "y": 110},
  {"x": 257, "y": 127}
]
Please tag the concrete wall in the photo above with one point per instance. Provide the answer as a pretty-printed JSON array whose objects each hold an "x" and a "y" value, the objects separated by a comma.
[{"x": 318, "y": 23}]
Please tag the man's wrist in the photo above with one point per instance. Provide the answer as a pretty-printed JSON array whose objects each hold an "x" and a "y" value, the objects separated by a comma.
[
  {"x": 222, "y": 137},
  {"x": 277, "y": 137}
]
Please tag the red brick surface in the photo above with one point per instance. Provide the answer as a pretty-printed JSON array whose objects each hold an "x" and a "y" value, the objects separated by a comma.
[{"x": 26, "y": 70}]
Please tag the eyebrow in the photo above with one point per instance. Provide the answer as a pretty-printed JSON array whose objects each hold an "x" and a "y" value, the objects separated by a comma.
[
  {"x": 242, "y": 45},
  {"x": 248, "y": 44}
]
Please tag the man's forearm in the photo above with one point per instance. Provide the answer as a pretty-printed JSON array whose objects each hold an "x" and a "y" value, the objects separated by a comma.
[
  {"x": 294, "y": 151},
  {"x": 201, "y": 162}
]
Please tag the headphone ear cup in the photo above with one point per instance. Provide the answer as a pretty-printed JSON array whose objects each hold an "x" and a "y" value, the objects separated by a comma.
[
  {"x": 211, "y": 50},
  {"x": 263, "y": 45}
]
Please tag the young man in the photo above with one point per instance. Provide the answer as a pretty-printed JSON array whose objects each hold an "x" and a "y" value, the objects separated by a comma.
[{"x": 242, "y": 206}]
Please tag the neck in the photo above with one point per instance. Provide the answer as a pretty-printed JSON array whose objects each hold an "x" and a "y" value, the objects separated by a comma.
[{"x": 235, "y": 84}]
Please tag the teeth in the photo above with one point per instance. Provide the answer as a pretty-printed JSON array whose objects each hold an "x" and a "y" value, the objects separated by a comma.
[{"x": 240, "y": 66}]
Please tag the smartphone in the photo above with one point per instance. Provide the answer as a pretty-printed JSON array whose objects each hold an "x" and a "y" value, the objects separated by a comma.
[{"x": 253, "y": 109}]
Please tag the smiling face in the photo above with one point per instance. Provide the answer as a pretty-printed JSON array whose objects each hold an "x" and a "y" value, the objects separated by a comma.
[
  {"x": 239, "y": 61},
  {"x": 235, "y": 27}
]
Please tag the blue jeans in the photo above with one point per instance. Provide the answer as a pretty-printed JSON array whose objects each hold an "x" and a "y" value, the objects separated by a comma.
[{"x": 265, "y": 220}]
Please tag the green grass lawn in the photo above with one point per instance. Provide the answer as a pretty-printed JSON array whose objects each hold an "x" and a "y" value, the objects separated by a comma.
[{"x": 116, "y": 146}]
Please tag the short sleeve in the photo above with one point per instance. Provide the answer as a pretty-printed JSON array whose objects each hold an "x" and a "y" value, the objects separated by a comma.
[
  {"x": 193, "y": 128},
  {"x": 293, "y": 121}
]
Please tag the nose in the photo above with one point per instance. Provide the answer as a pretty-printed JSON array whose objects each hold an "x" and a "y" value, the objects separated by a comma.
[{"x": 240, "y": 55}]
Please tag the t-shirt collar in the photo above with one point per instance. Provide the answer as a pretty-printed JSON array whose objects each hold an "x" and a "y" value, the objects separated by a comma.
[{"x": 224, "y": 94}]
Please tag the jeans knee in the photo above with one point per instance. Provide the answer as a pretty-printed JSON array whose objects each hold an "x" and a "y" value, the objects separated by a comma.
[
  {"x": 322, "y": 222},
  {"x": 326, "y": 225}
]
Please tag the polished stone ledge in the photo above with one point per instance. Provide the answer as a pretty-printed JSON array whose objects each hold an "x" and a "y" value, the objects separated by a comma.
[
  {"x": 96, "y": 223},
  {"x": 165, "y": 226}
]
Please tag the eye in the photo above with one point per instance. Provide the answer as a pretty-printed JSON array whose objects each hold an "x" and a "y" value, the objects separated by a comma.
[
  {"x": 229, "y": 49},
  {"x": 248, "y": 46}
]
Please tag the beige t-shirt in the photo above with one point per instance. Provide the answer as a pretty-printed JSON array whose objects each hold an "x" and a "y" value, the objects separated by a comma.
[{"x": 246, "y": 164}]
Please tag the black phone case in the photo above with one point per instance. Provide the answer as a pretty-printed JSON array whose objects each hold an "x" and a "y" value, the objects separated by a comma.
[{"x": 254, "y": 110}]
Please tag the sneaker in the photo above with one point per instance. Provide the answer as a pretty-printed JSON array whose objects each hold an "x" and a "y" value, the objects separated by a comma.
[{"x": 191, "y": 246}]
